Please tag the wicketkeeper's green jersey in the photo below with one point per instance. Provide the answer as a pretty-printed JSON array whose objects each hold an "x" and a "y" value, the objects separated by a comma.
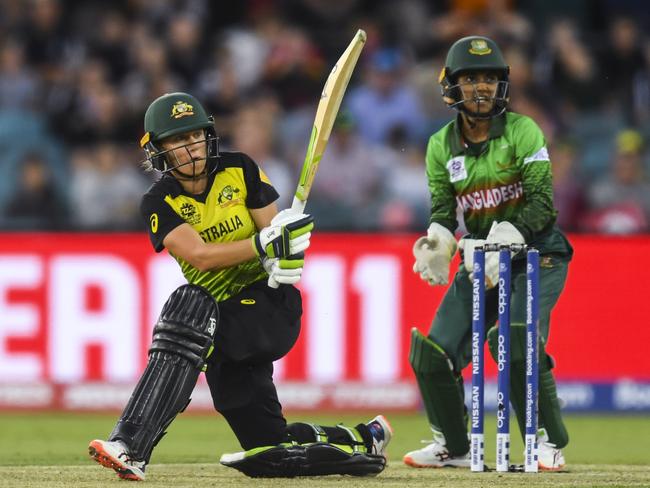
[{"x": 508, "y": 177}]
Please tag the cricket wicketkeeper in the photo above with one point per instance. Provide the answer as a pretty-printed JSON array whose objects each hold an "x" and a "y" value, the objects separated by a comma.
[
  {"x": 495, "y": 166},
  {"x": 215, "y": 214}
]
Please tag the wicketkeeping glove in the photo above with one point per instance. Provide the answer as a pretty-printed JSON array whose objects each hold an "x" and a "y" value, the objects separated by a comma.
[
  {"x": 283, "y": 240},
  {"x": 467, "y": 247},
  {"x": 500, "y": 233},
  {"x": 433, "y": 254}
]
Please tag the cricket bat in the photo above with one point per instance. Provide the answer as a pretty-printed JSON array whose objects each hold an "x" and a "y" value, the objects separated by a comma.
[{"x": 328, "y": 107}]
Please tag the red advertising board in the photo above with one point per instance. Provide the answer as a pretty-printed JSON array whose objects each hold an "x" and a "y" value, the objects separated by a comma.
[{"x": 79, "y": 307}]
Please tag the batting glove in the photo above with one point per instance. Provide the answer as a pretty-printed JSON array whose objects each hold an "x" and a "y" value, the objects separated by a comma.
[
  {"x": 290, "y": 216},
  {"x": 283, "y": 240},
  {"x": 288, "y": 271}
]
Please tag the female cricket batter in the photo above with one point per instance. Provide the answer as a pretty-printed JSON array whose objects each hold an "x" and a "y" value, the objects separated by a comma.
[
  {"x": 215, "y": 214},
  {"x": 494, "y": 165}
]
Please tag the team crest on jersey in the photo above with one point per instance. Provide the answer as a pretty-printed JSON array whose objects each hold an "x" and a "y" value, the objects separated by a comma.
[
  {"x": 456, "y": 168},
  {"x": 181, "y": 109},
  {"x": 228, "y": 196},
  {"x": 190, "y": 214}
]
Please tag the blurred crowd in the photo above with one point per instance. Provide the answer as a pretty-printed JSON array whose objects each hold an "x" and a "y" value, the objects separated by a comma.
[{"x": 77, "y": 76}]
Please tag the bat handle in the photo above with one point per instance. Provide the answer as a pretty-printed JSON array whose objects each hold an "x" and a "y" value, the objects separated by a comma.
[{"x": 298, "y": 205}]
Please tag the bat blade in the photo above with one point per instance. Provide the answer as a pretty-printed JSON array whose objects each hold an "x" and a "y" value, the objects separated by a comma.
[{"x": 328, "y": 107}]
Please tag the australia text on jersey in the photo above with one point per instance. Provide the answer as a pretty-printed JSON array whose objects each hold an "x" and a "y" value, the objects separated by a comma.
[{"x": 222, "y": 228}]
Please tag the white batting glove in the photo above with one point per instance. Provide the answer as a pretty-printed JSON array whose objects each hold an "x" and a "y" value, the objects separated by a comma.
[
  {"x": 284, "y": 271},
  {"x": 285, "y": 239},
  {"x": 433, "y": 254},
  {"x": 285, "y": 216},
  {"x": 500, "y": 233},
  {"x": 290, "y": 218},
  {"x": 289, "y": 270},
  {"x": 267, "y": 264}
]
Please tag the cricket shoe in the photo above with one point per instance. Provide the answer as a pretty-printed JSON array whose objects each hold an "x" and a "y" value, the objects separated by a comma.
[
  {"x": 435, "y": 455},
  {"x": 115, "y": 455},
  {"x": 381, "y": 432},
  {"x": 549, "y": 457}
]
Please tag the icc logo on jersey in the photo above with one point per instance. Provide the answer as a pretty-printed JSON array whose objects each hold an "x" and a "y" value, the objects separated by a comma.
[
  {"x": 190, "y": 214},
  {"x": 456, "y": 168}
]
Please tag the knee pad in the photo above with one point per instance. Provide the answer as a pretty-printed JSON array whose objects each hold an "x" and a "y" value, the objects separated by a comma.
[
  {"x": 426, "y": 356},
  {"x": 182, "y": 340},
  {"x": 187, "y": 325}
]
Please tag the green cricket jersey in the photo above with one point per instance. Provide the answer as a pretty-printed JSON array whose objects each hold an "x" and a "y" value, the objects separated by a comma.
[
  {"x": 508, "y": 177},
  {"x": 220, "y": 214}
]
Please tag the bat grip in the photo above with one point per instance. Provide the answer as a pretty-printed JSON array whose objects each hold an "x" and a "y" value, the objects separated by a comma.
[{"x": 298, "y": 205}]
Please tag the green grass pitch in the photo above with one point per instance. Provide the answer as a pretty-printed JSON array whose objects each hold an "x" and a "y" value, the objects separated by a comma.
[{"x": 50, "y": 450}]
